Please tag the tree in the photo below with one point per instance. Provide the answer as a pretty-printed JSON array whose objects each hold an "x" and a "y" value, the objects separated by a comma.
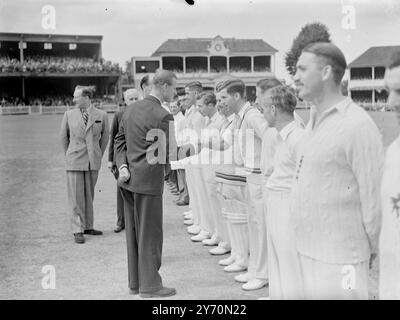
[{"x": 312, "y": 32}]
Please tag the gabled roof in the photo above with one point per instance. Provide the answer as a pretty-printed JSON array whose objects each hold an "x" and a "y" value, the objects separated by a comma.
[
  {"x": 201, "y": 45},
  {"x": 375, "y": 56}
]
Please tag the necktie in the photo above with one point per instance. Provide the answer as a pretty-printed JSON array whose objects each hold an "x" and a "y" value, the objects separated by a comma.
[{"x": 85, "y": 116}]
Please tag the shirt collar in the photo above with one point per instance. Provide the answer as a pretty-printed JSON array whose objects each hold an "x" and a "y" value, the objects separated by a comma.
[
  {"x": 156, "y": 98},
  {"x": 231, "y": 117},
  {"x": 214, "y": 117},
  {"x": 165, "y": 107},
  {"x": 341, "y": 107},
  {"x": 287, "y": 130},
  {"x": 243, "y": 110}
]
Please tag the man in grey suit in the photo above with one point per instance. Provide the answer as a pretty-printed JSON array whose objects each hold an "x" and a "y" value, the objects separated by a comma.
[
  {"x": 146, "y": 136},
  {"x": 84, "y": 137}
]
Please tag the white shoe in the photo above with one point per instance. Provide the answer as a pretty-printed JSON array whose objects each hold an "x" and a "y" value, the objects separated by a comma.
[
  {"x": 219, "y": 251},
  {"x": 194, "y": 229},
  {"x": 226, "y": 261},
  {"x": 234, "y": 267},
  {"x": 264, "y": 298},
  {"x": 200, "y": 237},
  {"x": 243, "y": 278},
  {"x": 213, "y": 241},
  {"x": 254, "y": 284},
  {"x": 188, "y": 222}
]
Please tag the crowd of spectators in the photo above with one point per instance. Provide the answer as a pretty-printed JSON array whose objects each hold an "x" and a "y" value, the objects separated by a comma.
[
  {"x": 47, "y": 101},
  {"x": 40, "y": 64}
]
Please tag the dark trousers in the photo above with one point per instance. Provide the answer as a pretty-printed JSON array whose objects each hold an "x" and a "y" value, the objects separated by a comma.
[
  {"x": 120, "y": 208},
  {"x": 144, "y": 239},
  {"x": 183, "y": 189}
]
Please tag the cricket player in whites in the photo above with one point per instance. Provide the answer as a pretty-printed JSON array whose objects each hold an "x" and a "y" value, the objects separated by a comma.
[
  {"x": 252, "y": 126},
  {"x": 278, "y": 105},
  {"x": 231, "y": 187},
  {"x": 336, "y": 207},
  {"x": 206, "y": 104},
  {"x": 389, "y": 246}
]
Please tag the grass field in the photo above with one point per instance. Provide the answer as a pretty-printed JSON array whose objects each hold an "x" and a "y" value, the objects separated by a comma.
[{"x": 34, "y": 227}]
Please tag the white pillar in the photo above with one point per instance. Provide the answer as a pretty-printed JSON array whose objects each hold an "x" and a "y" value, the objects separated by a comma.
[
  {"x": 208, "y": 65},
  {"x": 184, "y": 64},
  {"x": 252, "y": 63}
]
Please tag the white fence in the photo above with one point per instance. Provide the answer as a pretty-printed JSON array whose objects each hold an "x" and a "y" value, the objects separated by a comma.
[{"x": 12, "y": 110}]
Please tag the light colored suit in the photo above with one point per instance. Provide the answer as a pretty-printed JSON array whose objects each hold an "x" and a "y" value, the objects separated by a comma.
[{"x": 83, "y": 147}]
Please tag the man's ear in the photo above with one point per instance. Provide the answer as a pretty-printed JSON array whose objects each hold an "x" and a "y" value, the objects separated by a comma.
[{"x": 326, "y": 72}]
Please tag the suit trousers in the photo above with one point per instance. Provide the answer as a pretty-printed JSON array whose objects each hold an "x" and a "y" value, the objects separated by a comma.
[
  {"x": 182, "y": 185},
  {"x": 144, "y": 240},
  {"x": 120, "y": 208},
  {"x": 80, "y": 186}
]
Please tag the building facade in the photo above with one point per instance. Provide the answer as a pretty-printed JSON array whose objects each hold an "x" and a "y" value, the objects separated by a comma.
[
  {"x": 209, "y": 60},
  {"x": 366, "y": 77}
]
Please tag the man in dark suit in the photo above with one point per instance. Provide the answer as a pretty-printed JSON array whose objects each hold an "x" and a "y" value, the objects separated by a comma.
[
  {"x": 143, "y": 142},
  {"x": 84, "y": 137},
  {"x": 130, "y": 96}
]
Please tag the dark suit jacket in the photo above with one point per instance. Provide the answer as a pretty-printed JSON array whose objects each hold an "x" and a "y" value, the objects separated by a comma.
[
  {"x": 113, "y": 132},
  {"x": 138, "y": 141}
]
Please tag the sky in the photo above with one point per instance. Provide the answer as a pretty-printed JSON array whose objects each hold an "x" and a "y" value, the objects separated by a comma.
[{"x": 138, "y": 27}]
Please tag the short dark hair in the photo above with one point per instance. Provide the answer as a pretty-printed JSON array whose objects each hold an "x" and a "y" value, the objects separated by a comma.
[
  {"x": 144, "y": 81},
  {"x": 284, "y": 99},
  {"x": 194, "y": 86},
  {"x": 87, "y": 91},
  {"x": 332, "y": 56},
  {"x": 394, "y": 60},
  {"x": 208, "y": 97},
  {"x": 180, "y": 91},
  {"x": 268, "y": 83},
  {"x": 232, "y": 86},
  {"x": 163, "y": 77}
]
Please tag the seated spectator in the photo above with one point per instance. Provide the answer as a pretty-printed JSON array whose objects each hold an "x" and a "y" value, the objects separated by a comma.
[{"x": 40, "y": 64}]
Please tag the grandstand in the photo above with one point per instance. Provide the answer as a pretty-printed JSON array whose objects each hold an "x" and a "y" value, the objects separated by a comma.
[
  {"x": 367, "y": 71},
  {"x": 43, "y": 69}
]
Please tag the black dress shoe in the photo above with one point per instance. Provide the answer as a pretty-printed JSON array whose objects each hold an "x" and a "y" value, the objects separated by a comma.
[
  {"x": 118, "y": 229},
  {"x": 163, "y": 292},
  {"x": 93, "y": 232},
  {"x": 79, "y": 238}
]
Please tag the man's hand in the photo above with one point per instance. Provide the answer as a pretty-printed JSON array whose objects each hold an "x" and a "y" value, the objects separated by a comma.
[{"x": 124, "y": 174}]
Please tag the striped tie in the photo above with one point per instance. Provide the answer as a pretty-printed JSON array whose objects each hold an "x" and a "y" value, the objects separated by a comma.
[{"x": 85, "y": 116}]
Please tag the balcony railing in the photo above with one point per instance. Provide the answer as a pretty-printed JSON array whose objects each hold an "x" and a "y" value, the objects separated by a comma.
[{"x": 367, "y": 83}]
